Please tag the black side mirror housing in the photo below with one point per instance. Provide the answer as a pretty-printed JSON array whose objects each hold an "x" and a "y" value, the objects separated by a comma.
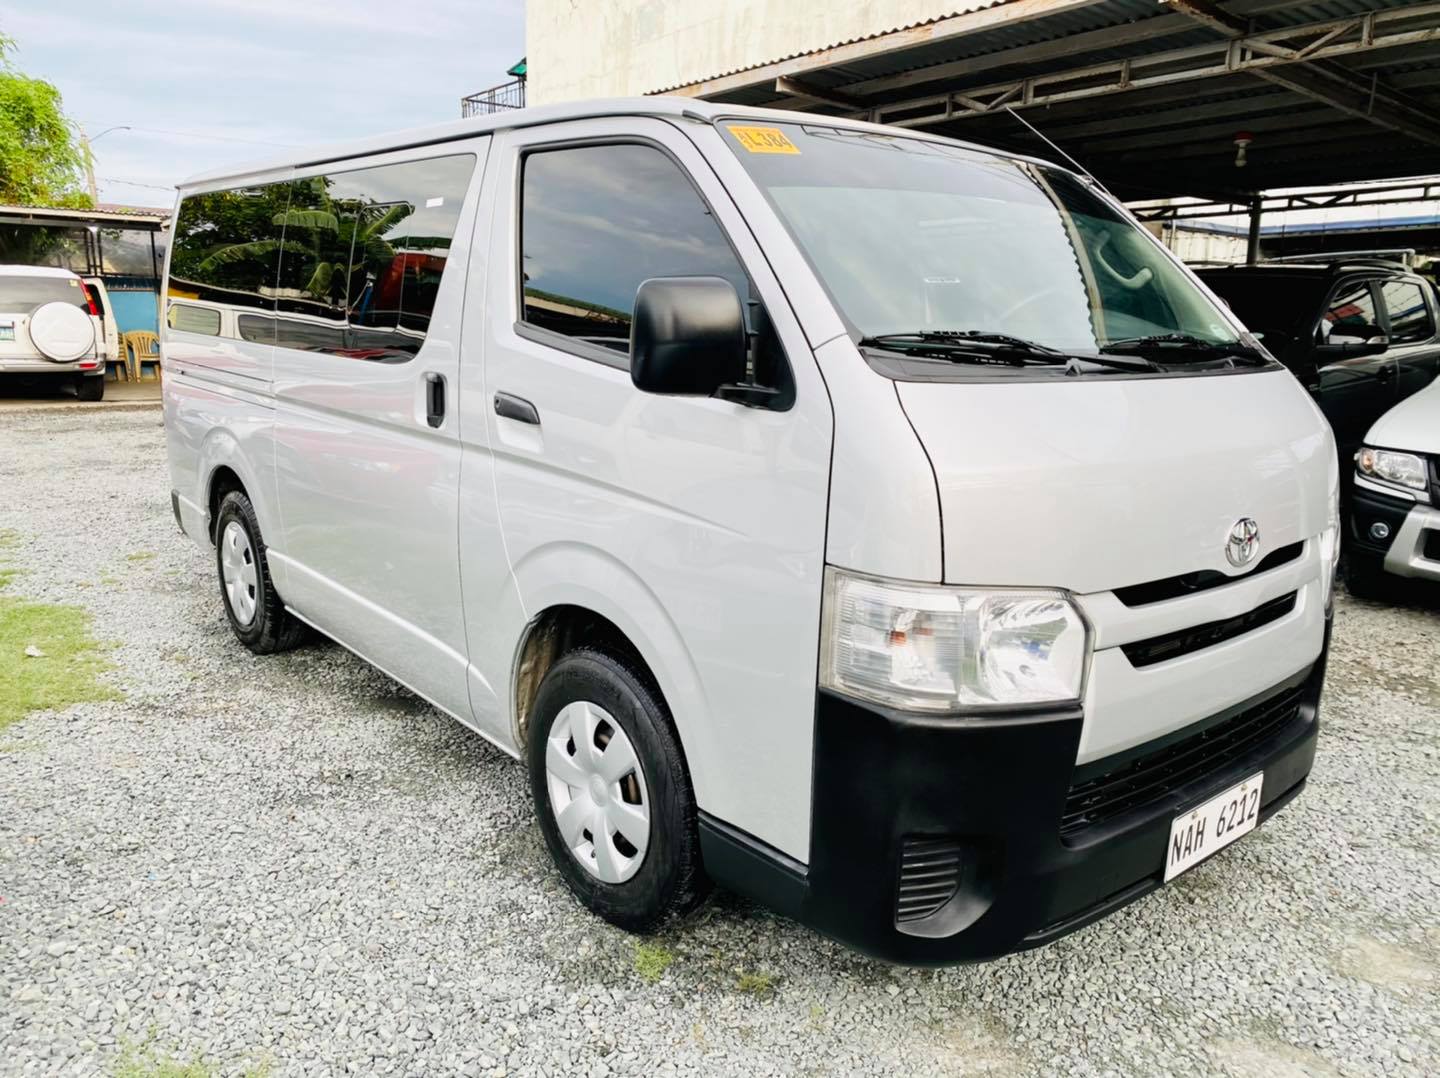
[
  {"x": 687, "y": 336},
  {"x": 1352, "y": 349}
]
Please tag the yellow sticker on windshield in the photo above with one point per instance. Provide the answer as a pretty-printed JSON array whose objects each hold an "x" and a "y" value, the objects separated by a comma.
[{"x": 763, "y": 139}]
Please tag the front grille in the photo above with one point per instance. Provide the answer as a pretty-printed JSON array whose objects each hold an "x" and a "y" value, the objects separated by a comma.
[
  {"x": 1158, "y": 649},
  {"x": 929, "y": 876},
  {"x": 1172, "y": 587},
  {"x": 1147, "y": 778}
]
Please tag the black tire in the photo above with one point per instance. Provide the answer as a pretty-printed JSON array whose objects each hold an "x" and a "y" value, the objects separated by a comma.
[
  {"x": 670, "y": 879},
  {"x": 1366, "y": 578},
  {"x": 271, "y": 628},
  {"x": 90, "y": 389}
]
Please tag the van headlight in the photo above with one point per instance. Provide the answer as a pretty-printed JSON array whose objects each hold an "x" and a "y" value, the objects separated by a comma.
[
  {"x": 1401, "y": 469},
  {"x": 921, "y": 647}
]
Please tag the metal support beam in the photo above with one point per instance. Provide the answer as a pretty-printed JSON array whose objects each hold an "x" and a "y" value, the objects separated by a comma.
[
  {"x": 1337, "y": 88},
  {"x": 796, "y": 88},
  {"x": 1389, "y": 194},
  {"x": 1252, "y": 241},
  {"x": 1250, "y": 54}
]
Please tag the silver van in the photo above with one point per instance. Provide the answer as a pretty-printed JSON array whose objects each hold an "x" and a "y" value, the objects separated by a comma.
[{"x": 874, "y": 524}]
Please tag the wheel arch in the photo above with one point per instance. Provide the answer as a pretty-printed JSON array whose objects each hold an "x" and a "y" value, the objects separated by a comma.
[{"x": 577, "y": 596}]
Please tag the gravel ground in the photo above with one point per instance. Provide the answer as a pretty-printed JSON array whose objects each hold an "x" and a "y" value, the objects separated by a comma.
[{"x": 293, "y": 861}]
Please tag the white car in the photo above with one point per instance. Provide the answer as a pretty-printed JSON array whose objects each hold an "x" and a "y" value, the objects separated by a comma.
[
  {"x": 108, "y": 330},
  {"x": 48, "y": 329},
  {"x": 882, "y": 526},
  {"x": 1395, "y": 510}
]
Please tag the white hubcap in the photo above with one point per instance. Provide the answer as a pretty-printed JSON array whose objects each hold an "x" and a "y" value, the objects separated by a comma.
[
  {"x": 597, "y": 791},
  {"x": 237, "y": 559}
]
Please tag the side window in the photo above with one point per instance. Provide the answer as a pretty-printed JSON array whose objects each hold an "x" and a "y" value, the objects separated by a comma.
[
  {"x": 191, "y": 319},
  {"x": 227, "y": 247},
  {"x": 364, "y": 253},
  {"x": 1349, "y": 316},
  {"x": 595, "y": 222},
  {"x": 1409, "y": 317}
]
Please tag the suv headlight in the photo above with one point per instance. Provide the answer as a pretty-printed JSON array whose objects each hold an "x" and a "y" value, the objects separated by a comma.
[
  {"x": 921, "y": 647},
  {"x": 1401, "y": 469}
]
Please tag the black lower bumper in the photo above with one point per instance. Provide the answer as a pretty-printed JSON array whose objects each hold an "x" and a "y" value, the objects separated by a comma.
[
  {"x": 1369, "y": 509},
  {"x": 908, "y": 811}
]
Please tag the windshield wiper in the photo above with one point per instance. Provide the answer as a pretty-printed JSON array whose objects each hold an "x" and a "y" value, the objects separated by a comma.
[
  {"x": 979, "y": 346},
  {"x": 1183, "y": 342}
]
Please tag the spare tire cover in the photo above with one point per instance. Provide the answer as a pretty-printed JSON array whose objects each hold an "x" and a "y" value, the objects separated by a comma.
[{"x": 62, "y": 332}]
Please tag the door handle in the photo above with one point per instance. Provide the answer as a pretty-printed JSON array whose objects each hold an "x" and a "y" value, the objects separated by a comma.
[
  {"x": 509, "y": 406},
  {"x": 434, "y": 398},
  {"x": 1385, "y": 373}
]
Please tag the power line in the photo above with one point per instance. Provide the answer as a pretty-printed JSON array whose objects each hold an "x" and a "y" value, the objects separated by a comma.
[
  {"x": 200, "y": 135},
  {"x": 135, "y": 183}
]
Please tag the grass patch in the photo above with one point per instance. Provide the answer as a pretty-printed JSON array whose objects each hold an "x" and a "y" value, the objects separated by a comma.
[
  {"x": 146, "y": 1061},
  {"x": 651, "y": 961},
  {"x": 7, "y": 576},
  {"x": 140, "y": 555},
  {"x": 9, "y": 538},
  {"x": 67, "y": 673},
  {"x": 756, "y": 984}
]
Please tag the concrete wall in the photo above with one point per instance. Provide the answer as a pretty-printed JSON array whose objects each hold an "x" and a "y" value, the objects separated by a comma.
[{"x": 608, "y": 48}]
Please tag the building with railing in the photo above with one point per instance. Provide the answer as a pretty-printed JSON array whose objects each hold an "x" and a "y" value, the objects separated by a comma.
[{"x": 508, "y": 95}]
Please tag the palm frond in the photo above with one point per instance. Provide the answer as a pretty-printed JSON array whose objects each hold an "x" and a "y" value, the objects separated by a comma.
[{"x": 238, "y": 252}]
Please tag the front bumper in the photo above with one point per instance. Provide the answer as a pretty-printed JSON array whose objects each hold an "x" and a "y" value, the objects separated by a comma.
[
  {"x": 900, "y": 800},
  {"x": 1412, "y": 546}
]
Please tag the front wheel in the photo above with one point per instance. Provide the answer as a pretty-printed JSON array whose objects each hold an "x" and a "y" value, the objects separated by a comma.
[
  {"x": 256, "y": 615},
  {"x": 1366, "y": 578},
  {"x": 612, "y": 792}
]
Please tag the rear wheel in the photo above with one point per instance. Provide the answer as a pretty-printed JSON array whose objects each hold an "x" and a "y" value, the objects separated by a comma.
[
  {"x": 612, "y": 792},
  {"x": 256, "y": 614},
  {"x": 90, "y": 389}
]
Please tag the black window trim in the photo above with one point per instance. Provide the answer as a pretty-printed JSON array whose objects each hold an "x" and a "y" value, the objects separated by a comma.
[
  {"x": 559, "y": 341},
  {"x": 1347, "y": 282}
]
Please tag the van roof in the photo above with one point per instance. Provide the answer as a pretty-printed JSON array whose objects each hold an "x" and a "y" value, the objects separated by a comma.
[
  {"x": 665, "y": 107},
  {"x": 35, "y": 271}
]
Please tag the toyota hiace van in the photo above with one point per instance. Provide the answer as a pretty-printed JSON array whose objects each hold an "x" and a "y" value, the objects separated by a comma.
[{"x": 878, "y": 525}]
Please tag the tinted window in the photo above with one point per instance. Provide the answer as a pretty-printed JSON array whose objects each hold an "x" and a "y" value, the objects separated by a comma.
[
  {"x": 1409, "y": 317},
  {"x": 596, "y": 221},
  {"x": 227, "y": 246},
  {"x": 192, "y": 319},
  {"x": 364, "y": 253},
  {"x": 1350, "y": 316},
  {"x": 22, "y": 295}
]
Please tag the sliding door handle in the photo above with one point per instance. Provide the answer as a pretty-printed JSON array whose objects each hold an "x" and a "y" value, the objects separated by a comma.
[
  {"x": 434, "y": 398},
  {"x": 509, "y": 406}
]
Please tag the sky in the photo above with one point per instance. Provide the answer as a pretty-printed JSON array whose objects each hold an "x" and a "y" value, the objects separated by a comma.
[{"x": 208, "y": 83}]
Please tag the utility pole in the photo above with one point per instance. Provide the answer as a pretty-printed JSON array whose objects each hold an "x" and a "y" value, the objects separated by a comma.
[
  {"x": 89, "y": 169},
  {"x": 85, "y": 143}
]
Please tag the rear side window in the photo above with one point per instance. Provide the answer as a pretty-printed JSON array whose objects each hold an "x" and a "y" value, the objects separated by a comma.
[
  {"x": 1409, "y": 316},
  {"x": 596, "y": 221},
  {"x": 227, "y": 246},
  {"x": 24, "y": 295},
  {"x": 191, "y": 319},
  {"x": 363, "y": 256},
  {"x": 1350, "y": 316}
]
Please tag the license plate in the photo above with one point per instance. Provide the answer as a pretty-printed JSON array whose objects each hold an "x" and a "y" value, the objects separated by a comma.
[{"x": 1196, "y": 834}]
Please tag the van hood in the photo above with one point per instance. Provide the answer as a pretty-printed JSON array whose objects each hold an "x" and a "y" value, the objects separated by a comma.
[
  {"x": 1412, "y": 425},
  {"x": 1095, "y": 483}
]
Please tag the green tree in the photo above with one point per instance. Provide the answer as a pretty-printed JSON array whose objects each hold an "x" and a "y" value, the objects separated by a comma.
[{"x": 41, "y": 160}]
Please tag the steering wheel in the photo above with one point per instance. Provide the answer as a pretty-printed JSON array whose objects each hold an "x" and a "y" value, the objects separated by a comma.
[{"x": 1139, "y": 279}]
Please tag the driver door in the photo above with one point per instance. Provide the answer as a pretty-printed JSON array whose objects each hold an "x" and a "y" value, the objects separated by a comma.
[{"x": 1352, "y": 391}]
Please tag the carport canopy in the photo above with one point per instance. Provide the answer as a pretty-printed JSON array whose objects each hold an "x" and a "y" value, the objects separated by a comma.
[{"x": 1152, "y": 96}]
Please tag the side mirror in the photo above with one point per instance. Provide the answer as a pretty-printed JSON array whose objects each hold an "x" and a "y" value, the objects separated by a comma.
[
  {"x": 1352, "y": 349},
  {"x": 687, "y": 336}
]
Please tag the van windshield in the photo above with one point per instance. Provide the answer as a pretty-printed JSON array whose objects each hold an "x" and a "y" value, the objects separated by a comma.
[{"x": 910, "y": 236}]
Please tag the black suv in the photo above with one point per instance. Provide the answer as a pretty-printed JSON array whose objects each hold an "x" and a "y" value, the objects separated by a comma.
[{"x": 1361, "y": 335}]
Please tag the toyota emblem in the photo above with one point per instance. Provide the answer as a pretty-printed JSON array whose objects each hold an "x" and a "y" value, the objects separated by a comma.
[{"x": 1243, "y": 542}]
